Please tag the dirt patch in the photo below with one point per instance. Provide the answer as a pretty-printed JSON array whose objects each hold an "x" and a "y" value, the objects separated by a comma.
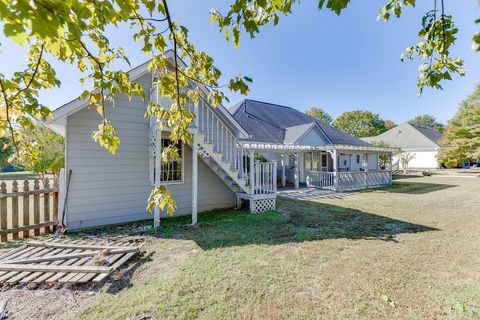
[{"x": 59, "y": 303}]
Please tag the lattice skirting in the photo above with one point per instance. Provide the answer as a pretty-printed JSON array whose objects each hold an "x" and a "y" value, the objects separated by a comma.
[
  {"x": 260, "y": 205},
  {"x": 202, "y": 152}
]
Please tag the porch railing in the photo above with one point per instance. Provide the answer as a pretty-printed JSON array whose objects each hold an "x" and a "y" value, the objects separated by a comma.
[
  {"x": 265, "y": 177},
  {"x": 354, "y": 180},
  {"x": 320, "y": 179}
]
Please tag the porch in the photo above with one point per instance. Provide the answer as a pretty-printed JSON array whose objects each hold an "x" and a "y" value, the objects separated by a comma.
[{"x": 329, "y": 167}]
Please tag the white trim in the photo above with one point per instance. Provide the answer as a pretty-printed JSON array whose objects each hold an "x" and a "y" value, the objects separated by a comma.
[
  {"x": 314, "y": 124},
  {"x": 60, "y": 114},
  {"x": 167, "y": 183},
  {"x": 194, "y": 179},
  {"x": 293, "y": 147}
]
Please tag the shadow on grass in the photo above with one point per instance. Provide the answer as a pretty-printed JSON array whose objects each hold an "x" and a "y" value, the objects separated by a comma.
[
  {"x": 412, "y": 187},
  {"x": 294, "y": 221},
  {"x": 406, "y": 176}
]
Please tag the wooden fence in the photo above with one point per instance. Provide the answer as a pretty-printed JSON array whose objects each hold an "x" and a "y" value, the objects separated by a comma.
[{"x": 29, "y": 209}]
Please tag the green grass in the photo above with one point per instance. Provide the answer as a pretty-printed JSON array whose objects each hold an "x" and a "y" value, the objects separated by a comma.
[{"x": 409, "y": 251}]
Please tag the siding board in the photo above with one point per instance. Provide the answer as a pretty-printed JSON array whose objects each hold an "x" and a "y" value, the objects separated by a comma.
[{"x": 108, "y": 189}]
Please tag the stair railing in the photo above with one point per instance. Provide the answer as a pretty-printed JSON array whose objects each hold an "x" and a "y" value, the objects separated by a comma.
[{"x": 222, "y": 138}]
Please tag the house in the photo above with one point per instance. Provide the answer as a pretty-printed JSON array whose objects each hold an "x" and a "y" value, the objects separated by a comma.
[
  {"x": 424, "y": 144},
  {"x": 217, "y": 170}
]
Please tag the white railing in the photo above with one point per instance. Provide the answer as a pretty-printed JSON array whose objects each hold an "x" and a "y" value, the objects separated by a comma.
[
  {"x": 222, "y": 138},
  {"x": 265, "y": 177},
  {"x": 320, "y": 179},
  {"x": 224, "y": 141},
  {"x": 354, "y": 180}
]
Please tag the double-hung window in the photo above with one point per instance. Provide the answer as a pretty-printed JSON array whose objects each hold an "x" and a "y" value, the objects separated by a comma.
[{"x": 171, "y": 171}]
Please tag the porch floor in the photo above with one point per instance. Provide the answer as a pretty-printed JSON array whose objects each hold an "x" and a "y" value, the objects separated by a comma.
[{"x": 307, "y": 193}]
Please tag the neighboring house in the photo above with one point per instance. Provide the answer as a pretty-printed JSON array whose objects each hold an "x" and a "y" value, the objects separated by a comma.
[
  {"x": 423, "y": 143},
  {"x": 217, "y": 171}
]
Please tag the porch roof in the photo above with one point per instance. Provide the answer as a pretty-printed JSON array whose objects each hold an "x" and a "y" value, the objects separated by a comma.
[{"x": 296, "y": 148}]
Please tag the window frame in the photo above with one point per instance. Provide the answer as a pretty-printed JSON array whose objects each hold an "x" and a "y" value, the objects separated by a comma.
[{"x": 182, "y": 164}]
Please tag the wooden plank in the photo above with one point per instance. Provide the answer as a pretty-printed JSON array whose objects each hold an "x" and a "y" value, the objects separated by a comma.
[
  {"x": 5, "y": 275},
  {"x": 11, "y": 252},
  {"x": 29, "y": 227},
  {"x": 36, "y": 208},
  {"x": 48, "y": 275},
  {"x": 76, "y": 277},
  {"x": 61, "y": 275},
  {"x": 76, "y": 246},
  {"x": 68, "y": 256},
  {"x": 3, "y": 212},
  {"x": 53, "y": 268},
  {"x": 26, "y": 209},
  {"x": 14, "y": 210},
  {"x": 85, "y": 278},
  {"x": 46, "y": 204},
  {"x": 115, "y": 266},
  {"x": 22, "y": 275},
  {"x": 35, "y": 275}
]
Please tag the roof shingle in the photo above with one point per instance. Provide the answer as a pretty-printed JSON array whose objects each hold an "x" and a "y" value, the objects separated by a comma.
[{"x": 267, "y": 122}]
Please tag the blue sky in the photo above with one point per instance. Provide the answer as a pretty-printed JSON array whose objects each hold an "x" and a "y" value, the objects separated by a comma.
[{"x": 313, "y": 58}]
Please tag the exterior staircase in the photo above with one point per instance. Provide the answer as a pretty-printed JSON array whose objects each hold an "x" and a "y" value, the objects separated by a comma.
[{"x": 220, "y": 148}]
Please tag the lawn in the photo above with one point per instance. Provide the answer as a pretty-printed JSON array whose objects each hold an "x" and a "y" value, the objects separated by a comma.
[{"x": 409, "y": 251}]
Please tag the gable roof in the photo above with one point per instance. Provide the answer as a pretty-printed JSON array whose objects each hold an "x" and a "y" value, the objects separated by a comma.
[
  {"x": 294, "y": 133},
  {"x": 273, "y": 123},
  {"x": 407, "y": 136}
]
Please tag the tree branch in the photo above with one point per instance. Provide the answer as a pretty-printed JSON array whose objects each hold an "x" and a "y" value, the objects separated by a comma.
[
  {"x": 137, "y": 17},
  {"x": 100, "y": 66},
  {"x": 37, "y": 66},
  {"x": 202, "y": 82},
  {"x": 7, "y": 113},
  {"x": 175, "y": 50}
]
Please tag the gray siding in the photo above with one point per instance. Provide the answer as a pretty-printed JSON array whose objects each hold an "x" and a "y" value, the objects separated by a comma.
[
  {"x": 313, "y": 137},
  {"x": 107, "y": 189}
]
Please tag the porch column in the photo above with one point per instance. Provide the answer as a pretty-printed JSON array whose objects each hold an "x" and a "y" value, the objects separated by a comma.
[
  {"x": 335, "y": 169},
  {"x": 297, "y": 172},
  {"x": 252, "y": 172},
  {"x": 158, "y": 168},
  {"x": 284, "y": 178},
  {"x": 366, "y": 170},
  {"x": 194, "y": 178},
  {"x": 390, "y": 161}
]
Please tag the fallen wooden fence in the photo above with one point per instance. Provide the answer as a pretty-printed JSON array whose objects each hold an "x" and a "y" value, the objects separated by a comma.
[
  {"x": 39, "y": 209},
  {"x": 65, "y": 261}
]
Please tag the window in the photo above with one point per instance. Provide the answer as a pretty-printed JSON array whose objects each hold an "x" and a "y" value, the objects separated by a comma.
[
  {"x": 324, "y": 160},
  {"x": 358, "y": 158},
  {"x": 308, "y": 161},
  {"x": 171, "y": 171},
  {"x": 315, "y": 160}
]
